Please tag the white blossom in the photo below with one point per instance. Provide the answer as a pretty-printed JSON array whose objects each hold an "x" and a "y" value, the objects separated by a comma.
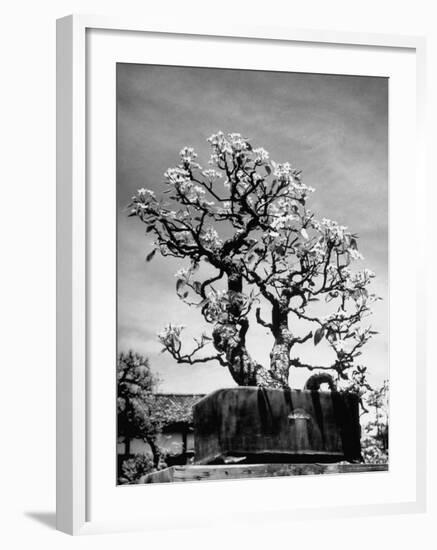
[
  {"x": 237, "y": 142},
  {"x": 284, "y": 171},
  {"x": 219, "y": 143},
  {"x": 261, "y": 155},
  {"x": 183, "y": 273},
  {"x": 211, "y": 239},
  {"x": 170, "y": 334},
  {"x": 212, "y": 174},
  {"x": 280, "y": 222},
  {"x": 354, "y": 254},
  {"x": 333, "y": 230},
  {"x": 177, "y": 176},
  {"x": 232, "y": 143},
  {"x": 187, "y": 154},
  {"x": 339, "y": 345},
  {"x": 145, "y": 192}
]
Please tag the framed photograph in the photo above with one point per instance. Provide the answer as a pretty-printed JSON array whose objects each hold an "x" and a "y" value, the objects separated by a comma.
[{"x": 237, "y": 320}]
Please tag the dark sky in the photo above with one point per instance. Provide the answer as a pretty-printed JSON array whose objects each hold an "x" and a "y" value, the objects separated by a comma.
[{"x": 333, "y": 128}]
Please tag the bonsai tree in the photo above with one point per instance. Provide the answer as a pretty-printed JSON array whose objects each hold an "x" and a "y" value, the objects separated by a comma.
[{"x": 248, "y": 238}]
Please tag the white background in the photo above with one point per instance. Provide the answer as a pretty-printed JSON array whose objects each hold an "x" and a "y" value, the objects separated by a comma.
[{"x": 27, "y": 400}]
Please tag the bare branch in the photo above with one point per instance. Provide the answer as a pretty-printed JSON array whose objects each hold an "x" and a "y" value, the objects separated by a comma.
[
  {"x": 261, "y": 321},
  {"x": 298, "y": 340},
  {"x": 190, "y": 358},
  {"x": 297, "y": 363}
]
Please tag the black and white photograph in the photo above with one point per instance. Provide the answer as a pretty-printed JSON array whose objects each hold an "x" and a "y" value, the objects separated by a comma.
[
  {"x": 218, "y": 275},
  {"x": 252, "y": 274}
]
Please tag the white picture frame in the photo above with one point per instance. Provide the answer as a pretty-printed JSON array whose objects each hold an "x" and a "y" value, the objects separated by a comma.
[{"x": 74, "y": 466}]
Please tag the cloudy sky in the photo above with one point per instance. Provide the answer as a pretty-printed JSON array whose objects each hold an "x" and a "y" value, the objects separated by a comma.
[{"x": 333, "y": 128}]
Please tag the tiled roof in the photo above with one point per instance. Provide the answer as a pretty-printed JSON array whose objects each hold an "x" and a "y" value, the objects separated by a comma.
[{"x": 178, "y": 406}]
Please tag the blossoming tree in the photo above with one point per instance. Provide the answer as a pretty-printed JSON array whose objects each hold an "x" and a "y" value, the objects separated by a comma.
[{"x": 246, "y": 218}]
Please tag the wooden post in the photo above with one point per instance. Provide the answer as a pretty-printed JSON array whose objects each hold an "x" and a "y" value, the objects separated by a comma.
[{"x": 184, "y": 443}]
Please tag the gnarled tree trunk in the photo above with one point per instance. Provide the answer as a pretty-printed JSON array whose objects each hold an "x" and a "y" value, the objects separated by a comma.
[
  {"x": 280, "y": 354},
  {"x": 229, "y": 337}
]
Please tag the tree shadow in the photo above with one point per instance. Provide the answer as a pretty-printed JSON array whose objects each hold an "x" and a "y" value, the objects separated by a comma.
[{"x": 45, "y": 518}]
